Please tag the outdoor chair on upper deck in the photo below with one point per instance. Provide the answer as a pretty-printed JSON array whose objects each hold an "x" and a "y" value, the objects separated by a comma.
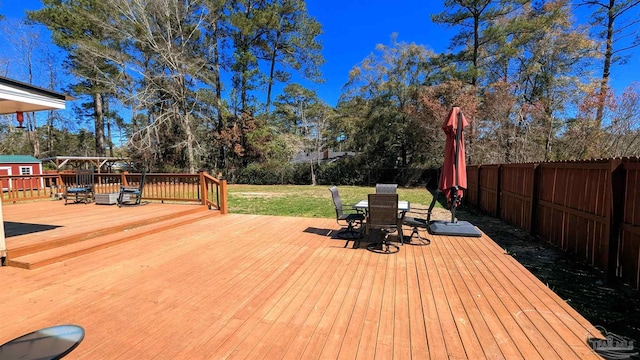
[
  {"x": 383, "y": 215},
  {"x": 348, "y": 219},
  {"x": 132, "y": 195},
  {"x": 82, "y": 188}
]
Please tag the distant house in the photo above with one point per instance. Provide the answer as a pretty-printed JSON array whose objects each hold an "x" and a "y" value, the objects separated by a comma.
[
  {"x": 321, "y": 156},
  {"x": 19, "y": 165}
]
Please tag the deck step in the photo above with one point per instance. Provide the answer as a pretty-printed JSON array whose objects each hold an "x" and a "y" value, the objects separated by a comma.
[
  {"x": 117, "y": 236},
  {"x": 100, "y": 231}
]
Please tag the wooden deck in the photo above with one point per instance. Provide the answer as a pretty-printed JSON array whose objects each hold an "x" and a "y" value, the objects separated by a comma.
[{"x": 261, "y": 287}]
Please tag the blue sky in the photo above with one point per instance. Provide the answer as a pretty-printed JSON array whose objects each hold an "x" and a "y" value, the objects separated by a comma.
[
  {"x": 352, "y": 28},
  {"x": 351, "y": 31}
]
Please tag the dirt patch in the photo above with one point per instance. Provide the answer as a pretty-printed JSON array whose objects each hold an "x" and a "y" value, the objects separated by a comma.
[{"x": 610, "y": 305}]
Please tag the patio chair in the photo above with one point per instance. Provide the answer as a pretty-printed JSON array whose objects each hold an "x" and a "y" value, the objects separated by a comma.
[
  {"x": 386, "y": 188},
  {"x": 345, "y": 218},
  {"x": 422, "y": 220},
  {"x": 383, "y": 215},
  {"x": 132, "y": 195},
  {"x": 82, "y": 187},
  {"x": 416, "y": 224}
]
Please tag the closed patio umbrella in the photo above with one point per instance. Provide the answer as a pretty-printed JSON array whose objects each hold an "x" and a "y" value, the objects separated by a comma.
[{"x": 453, "y": 176}]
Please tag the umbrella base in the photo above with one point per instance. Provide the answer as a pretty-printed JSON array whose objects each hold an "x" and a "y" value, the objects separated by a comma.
[{"x": 459, "y": 228}]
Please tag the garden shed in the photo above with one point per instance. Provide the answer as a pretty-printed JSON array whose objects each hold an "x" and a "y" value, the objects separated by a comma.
[{"x": 18, "y": 165}]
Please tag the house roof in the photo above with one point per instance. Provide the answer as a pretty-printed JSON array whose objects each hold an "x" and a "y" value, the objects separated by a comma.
[
  {"x": 18, "y": 159},
  {"x": 18, "y": 96}
]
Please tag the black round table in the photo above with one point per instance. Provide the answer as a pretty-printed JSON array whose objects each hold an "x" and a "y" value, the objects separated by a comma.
[{"x": 49, "y": 343}]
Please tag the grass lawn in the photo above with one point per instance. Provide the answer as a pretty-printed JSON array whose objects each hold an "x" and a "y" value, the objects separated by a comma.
[{"x": 306, "y": 200}]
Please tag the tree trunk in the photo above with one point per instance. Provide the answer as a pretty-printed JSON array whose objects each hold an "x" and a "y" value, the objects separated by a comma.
[
  {"x": 33, "y": 134},
  {"x": 274, "y": 52},
  {"x": 99, "y": 124},
  {"x": 313, "y": 174},
  {"x": 606, "y": 73},
  {"x": 476, "y": 48},
  {"x": 191, "y": 159},
  {"x": 50, "y": 118},
  {"x": 219, "y": 103},
  {"x": 547, "y": 145},
  {"x": 108, "y": 124}
]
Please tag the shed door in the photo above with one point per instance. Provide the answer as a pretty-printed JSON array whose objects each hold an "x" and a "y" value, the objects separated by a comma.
[{"x": 5, "y": 170}]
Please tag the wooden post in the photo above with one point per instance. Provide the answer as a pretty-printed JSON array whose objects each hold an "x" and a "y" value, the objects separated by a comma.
[
  {"x": 123, "y": 179},
  {"x": 203, "y": 189},
  {"x": 617, "y": 190},
  {"x": 3, "y": 245},
  {"x": 224, "y": 209},
  {"x": 60, "y": 185}
]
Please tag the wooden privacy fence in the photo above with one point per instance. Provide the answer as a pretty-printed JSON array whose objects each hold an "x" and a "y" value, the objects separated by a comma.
[
  {"x": 200, "y": 188},
  {"x": 588, "y": 208}
]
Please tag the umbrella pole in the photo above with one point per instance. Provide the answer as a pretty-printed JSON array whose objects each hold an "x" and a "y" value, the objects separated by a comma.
[
  {"x": 454, "y": 201},
  {"x": 453, "y": 209}
]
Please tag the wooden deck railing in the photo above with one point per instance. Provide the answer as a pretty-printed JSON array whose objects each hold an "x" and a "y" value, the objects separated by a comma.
[
  {"x": 587, "y": 208},
  {"x": 24, "y": 188},
  {"x": 201, "y": 188}
]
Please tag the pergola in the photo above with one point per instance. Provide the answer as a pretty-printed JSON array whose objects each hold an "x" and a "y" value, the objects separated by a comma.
[
  {"x": 19, "y": 97},
  {"x": 77, "y": 162}
]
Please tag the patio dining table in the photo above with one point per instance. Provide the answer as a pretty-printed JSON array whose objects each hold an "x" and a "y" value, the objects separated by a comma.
[{"x": 363, "y": 205}]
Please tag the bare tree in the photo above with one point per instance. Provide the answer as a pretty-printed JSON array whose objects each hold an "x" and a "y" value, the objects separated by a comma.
[
  {"x": 622, "y": 135},
  {"x": 160, "y": 61},
  {"x": 617, "y": 21}
]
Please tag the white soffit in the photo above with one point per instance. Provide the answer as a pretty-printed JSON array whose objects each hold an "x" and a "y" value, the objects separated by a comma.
[{"x": 13, "y": 99}]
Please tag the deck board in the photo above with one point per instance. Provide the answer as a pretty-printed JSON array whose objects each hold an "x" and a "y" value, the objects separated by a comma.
[{"x": 263, "y": 287}]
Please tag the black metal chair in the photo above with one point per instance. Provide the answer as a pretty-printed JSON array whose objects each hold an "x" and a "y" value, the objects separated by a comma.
[
  {"x": 132, "y": 195},
  {"x": 383, "y": 215},
  {"x": 352, "y": 220},
  {"x": 416, "y": 224},
  {"x": 422, "y": 221},
  {"x": 82, "y": 188}
]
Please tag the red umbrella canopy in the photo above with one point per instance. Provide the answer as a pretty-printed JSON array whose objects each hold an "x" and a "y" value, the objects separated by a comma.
[{"x": 454, "y": 173}]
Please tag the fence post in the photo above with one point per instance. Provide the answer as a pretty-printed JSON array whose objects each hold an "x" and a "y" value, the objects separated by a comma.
[
  {"x": 60, "y": 186},
  {"x": 535, "y": 192},
  {"x": 498, "y": 191},
  {"x": 617, "y": 190},
  {"x": 478, "y": 188}
]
